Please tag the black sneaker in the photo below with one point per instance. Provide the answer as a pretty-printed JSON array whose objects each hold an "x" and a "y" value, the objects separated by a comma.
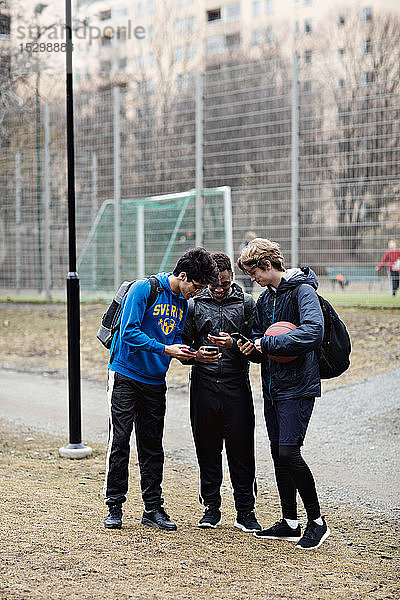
[
  {"x": 314, "y": 535},
  {"x": 211, "y": 518},
  {"x": 114, "y": 518},
  {"x": 246, "y": 521},
  {"x": 158, "y": 518},
  {"x": 280, "y": 531}
]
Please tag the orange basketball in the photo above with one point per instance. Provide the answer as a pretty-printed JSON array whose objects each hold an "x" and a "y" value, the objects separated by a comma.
[{"x": 280, "y": 328}]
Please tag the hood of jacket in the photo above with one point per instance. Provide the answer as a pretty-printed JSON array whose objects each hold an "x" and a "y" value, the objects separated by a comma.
[{"x": 294, "y": 277}]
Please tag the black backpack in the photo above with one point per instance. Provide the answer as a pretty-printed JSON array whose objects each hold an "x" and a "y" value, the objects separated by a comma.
[
  {"x": 334, "y": 352},
  {"x": 110, "y": 321}
]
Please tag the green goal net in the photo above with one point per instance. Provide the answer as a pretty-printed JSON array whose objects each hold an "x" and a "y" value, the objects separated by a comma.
[{"x": 154, "y": 233}]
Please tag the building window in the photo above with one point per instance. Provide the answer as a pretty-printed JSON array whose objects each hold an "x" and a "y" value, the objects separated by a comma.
[
  {"x": 150, "y": 33},
  {"x": 367, "y": 46},
  {"x": 341, "y": 52},
  {"x": 190, "y": 23},
  {"x": 341, "y": 83},
  {"x": 220, "y": 43},
  {"x": 341, "y": 20},
  {"x": 214, "y": 15},
  {"x": 296, "y": 3},
  {"x": 269, "y": 6},
  {"x": 367, "y": 77},
  {"x": 121, "y": 34},
  {"x": 308, "y": 26},
  {"x": 118, "y": 12},
  {"x": 139, "y": 9},
  {"x": 179, "y": 53},
  {"x": 179, "y": 81},
  {"x": 296, "y": 29},
  {"x": 232, "y": 12},
  {"x": 5, "y": 26},
  {"x": 366, "y": 14},
  {"x": 307, "y": 86},
  {"x": 145, "y": 87},
  {"x": 307, "y": 1},
  {"x": 232, "y": 40},
  {"x": 190, "y": 50},
  {"x": 179, "y": 25},
  {"x": 122, "y": 62},
  {"x": 105, "y": 15},
  {"x": 105, "y": 41},
  {"x": 214, "y": 44},
  {"x": 256, "y": 37},
  {"x": 256, "y": 8},
  {"x": 105, "y": 67},
  {"x": 269, "y": 35},
  {"x": 308, "y": 56},
  {"x": 150, "y": 59},
  {"x": 139, "y": 61}
]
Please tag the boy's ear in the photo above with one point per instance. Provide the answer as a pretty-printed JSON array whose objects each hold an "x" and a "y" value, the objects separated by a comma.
[{"x": 182, "y": 276}]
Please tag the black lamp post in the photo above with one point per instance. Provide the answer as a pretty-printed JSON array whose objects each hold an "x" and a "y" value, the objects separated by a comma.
[{"x": 75, "y": 448}]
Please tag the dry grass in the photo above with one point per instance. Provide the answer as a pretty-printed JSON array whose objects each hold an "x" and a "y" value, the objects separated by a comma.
[{"x": 54, "y": 545}]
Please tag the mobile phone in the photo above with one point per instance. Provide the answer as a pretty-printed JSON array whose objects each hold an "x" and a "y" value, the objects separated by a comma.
[
  {"x": 189, "y": 351},
  {"x": 238, "y": 336},
  {"x": 210, "y": 349}
]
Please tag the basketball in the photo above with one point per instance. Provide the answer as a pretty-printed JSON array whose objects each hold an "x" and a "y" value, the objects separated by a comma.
[{"x": 280, "y": 328}]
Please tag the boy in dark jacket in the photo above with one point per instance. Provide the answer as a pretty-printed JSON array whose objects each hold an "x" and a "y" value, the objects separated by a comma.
[
  {"x": 140, "y": 355},
  {"x": 289, "y": 388},
  {"x": 221, "y": 403}
]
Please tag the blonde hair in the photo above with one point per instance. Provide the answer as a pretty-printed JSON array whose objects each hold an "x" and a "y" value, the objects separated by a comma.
[{"x": 258, "y": 252}]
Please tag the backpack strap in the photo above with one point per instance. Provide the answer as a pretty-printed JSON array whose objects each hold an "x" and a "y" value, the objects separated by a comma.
[
  {"x": 155, "y": 290},
  {"x": 295, "y": 302}
]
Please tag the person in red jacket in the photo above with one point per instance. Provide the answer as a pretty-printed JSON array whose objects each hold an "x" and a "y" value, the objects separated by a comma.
[{"x": 391, "y": 258}]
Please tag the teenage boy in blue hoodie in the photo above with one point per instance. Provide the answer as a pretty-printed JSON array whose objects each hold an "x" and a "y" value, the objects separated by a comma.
[
  {"x": 149, "y": 336},
  {"x": 289, "y": 388}
]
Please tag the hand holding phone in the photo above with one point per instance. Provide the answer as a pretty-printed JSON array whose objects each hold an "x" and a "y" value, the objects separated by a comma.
[
  {"x": 210, "y": 350},
  {"x": 238, "y": 336}
]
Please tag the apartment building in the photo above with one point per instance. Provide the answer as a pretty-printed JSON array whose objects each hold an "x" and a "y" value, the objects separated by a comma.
[
  {"x": 5, "y": 40},
  {"x": 180, "y": 37}
]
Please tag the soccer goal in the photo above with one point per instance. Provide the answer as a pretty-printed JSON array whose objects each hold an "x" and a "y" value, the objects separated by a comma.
[{"x": 154, "y": 233}]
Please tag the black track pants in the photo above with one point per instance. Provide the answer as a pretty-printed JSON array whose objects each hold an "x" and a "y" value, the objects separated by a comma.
[
  {"x": 293, "y": 474},
  {"x": 132, "y": 402},
  {"x": 224, "y": 412}
]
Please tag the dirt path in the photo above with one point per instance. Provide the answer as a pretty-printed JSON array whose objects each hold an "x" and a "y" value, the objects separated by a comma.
[{"x": 352, "y": 443}]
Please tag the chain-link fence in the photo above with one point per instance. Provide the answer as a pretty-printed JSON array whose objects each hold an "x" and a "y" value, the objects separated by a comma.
[{"x": 311, "y": 160}]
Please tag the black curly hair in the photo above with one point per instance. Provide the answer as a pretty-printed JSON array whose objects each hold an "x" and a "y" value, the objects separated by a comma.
[
  {"x": 199, "y": 266},
  {"x": 223, "y": 261}
]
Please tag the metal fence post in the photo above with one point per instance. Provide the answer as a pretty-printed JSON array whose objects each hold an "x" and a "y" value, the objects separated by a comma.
[
  {"x": 295, "y": 164},
  {"x": 199, "y": 159},
  {"x": 93, "y": 218},
  {"x": 117, "y": 188},
  {"x": 47, "y": 249},
  {"x": 228, "y": 223},
  {"x": 18, "y": 221},
  {"x": 140, "y": 241}
]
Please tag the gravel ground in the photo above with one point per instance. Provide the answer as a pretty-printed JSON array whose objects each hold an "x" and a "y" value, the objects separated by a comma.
[{"x": 351, "y": 446}]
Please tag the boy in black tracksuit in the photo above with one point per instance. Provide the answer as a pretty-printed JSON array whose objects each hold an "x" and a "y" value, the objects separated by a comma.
[
  {"x": 221, "y": 403},
  {"x": 289, "y": 388}
]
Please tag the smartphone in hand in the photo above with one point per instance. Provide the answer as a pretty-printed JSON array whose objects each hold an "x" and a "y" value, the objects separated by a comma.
[
  {"x": 238, "y": 336},
  {"x": 212, "y": 350}
]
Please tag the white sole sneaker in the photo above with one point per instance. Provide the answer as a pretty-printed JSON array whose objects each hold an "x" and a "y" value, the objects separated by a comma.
[
  {"x": 326, "y": 534},
  {"x": 208, "y": 525},
  {"x": 271, "y": 537},
  {"x": 243, "y": 528}
]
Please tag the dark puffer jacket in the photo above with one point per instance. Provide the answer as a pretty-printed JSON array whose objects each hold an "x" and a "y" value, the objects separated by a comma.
[
  {"x": 299, "y": 378},
  {"x": 206, "y": 315}
]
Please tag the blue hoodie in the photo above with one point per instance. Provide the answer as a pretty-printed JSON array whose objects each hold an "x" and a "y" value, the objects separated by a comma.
[{"x": 138, "y": 349}]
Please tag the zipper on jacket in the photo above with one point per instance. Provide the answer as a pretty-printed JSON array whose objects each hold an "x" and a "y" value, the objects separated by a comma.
[{"x": 269, "y": 360}]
